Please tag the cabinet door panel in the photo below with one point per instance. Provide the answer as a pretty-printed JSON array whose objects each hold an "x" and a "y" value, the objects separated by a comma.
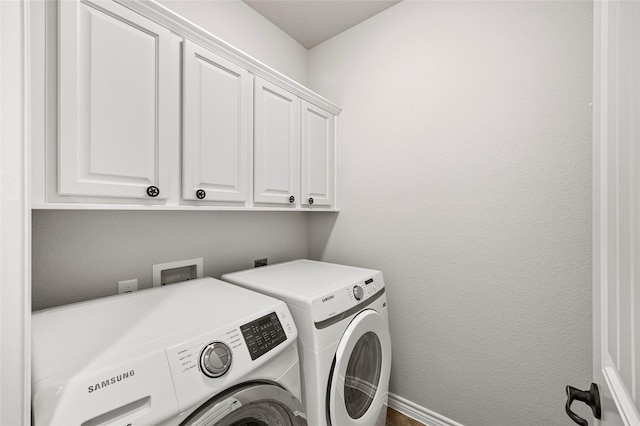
[
  {"x": 318, "y": 156},
  {"x": 277, "y": 141},
  {"x": 217, "y": 127},
  {"x": 114, "y": 78}
]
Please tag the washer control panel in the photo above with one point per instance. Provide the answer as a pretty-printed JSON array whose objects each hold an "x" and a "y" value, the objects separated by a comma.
[
  {"x": 215, "y": 359},
  {"x": 263, "y": 334},
  {"x": 230, "y": 347}
]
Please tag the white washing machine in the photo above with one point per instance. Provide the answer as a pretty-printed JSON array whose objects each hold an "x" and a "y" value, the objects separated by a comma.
[
  {"x": 202, "y": 352},
  {"x": 344, "y": 341}
]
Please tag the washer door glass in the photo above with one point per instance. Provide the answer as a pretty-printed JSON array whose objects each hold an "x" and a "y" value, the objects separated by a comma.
[
  {"x": 359, "y": 378},
  {"x": 250, "y": 405},
  {"x": 260, "y": 413},
  {"x": 363, "y": 374}
]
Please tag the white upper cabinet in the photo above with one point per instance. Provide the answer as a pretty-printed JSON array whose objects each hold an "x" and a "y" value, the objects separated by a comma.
[
  {"x": 276, "y": 145},
  {"x": 114, "y": 77},
  {"x": 145, "y": 110},
  {"x": 217, "y": 124},
  {"x": 294, "y": 153},
  {"x": 318, "y": 156}
]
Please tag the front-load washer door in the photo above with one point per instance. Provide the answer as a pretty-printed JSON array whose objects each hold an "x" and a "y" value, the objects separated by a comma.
[
  {"x": 359, "y": 378},
  {"x": 253, "y": 404}
]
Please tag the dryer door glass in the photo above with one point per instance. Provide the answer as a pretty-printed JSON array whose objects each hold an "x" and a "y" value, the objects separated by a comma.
[
  {"x": 363, "y": 375},
  {"x": 359, "y": 376}
]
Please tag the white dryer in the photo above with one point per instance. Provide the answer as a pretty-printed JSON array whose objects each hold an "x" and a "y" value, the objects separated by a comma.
[
  {"x": 344, "y": 341},
  {"x": 202, "y": 352}
]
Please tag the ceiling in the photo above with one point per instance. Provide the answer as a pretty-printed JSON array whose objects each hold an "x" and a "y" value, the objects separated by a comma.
[{"x": 310, "y": 22}]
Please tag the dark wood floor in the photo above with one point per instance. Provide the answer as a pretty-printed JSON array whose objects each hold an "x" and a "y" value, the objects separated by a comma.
[{"x": 395, "y": 418}]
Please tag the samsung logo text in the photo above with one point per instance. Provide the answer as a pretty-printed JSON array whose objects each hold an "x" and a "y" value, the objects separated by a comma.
[{"x": 111, "y": 381}]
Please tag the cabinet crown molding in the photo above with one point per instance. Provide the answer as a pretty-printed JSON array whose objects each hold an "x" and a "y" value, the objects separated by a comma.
[{"x": 188, "y": 30}]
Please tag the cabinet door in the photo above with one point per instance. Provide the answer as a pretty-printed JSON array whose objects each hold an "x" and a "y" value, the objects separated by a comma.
[
  {"x": 318, "y": 156},
  {"x": 114, "y": 101},
  {"x": 277, "y": 145},
  {"x": 217, "y": 127}
]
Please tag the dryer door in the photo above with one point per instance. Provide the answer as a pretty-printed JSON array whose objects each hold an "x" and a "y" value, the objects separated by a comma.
[
  {"x": 359, "y": 377},
  {"x": 255, "y": 404}
]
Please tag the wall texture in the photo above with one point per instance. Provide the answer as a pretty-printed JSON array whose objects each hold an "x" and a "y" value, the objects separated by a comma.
[
  {"x": 245, "y": 29},
  {"x": 81, "y": 255},
  {"x": 465, "y": 176}
]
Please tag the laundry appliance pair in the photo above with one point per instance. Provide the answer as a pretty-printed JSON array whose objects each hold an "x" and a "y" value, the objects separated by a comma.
[
  {"x": 202, "y": 352},
  {"x": 344, "y": 342}
]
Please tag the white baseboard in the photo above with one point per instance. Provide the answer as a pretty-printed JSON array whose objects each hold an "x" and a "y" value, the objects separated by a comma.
[{"x": 416, "y": 412}]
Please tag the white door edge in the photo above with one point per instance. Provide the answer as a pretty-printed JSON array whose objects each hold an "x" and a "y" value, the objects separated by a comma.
[
  {"x": 15, "y": 213},
  {"x": 621, "y": 398},
  {"x": 616, "y": 210}
]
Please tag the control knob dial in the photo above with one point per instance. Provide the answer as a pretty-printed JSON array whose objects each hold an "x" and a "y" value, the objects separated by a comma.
[
  {"x": 358, "y": 292},
  {"x": 215, "y": 359}
]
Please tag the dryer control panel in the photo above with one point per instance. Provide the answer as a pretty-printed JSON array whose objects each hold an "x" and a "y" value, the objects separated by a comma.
[
  {"x": 263, "y": 334},
  {"x": 350, "y": 297}
]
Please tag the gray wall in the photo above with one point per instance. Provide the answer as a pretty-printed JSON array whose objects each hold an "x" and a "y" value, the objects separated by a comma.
[
  {"x": 81, "y": 255},
  {"x": 465, "y": 175}
]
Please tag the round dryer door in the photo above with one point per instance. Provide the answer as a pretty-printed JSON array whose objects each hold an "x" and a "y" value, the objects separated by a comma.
[
  {"x": 359, "y": 378},
  {"x": 255, "y": 404}
]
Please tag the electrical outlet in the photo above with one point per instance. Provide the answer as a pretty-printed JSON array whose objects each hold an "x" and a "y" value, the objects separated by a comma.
[
  {"x": 260, "y": 262},
  {"x": 127, "y": 286}
]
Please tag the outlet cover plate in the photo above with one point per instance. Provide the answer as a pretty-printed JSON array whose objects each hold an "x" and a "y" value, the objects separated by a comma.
[{"x": 127, "y": 286}]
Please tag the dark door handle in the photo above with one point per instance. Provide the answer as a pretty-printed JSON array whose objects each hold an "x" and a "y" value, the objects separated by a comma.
[{"x": 590, "y": 397}]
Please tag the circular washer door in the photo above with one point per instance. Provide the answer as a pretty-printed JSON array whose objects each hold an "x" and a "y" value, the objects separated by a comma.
[
  {"x": 360, "y": 374},
  {"x": 257, "y": 404}
]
